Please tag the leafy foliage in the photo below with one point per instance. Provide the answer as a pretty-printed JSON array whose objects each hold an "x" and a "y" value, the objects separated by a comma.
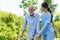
[
  {"x": 10, "y": 26},
  {"x": 57, "y": 17},
  {"x": 51, "y": 5},
  {"x": 25, "y": 3},
  {"x": 57, "y": 25},
  {"x": 57, "y": 29}
]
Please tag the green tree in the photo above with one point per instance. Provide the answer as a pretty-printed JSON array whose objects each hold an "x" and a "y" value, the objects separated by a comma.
[
  {"x": 25, "y": 3},
  {"x": 51, "y": 5}
]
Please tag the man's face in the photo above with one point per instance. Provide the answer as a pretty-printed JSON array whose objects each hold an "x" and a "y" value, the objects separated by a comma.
[{"x": 31, "y": 9}]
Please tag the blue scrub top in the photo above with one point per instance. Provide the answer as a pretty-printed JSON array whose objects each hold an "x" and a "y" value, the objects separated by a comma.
[{"x": 46, "y": 23}]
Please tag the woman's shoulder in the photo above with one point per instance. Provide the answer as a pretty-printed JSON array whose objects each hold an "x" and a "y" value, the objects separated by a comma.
[{"x": 48, "y": 14}]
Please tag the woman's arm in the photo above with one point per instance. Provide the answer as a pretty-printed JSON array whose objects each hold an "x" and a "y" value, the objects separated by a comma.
[{"x": 46, "y": 23}]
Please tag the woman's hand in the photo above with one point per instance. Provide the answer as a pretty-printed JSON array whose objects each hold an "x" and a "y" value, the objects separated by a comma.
[{"x": 37, "y": 35}]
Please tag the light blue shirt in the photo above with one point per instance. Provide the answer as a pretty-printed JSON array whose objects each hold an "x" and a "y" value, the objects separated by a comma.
[
  {"x": 46, "y": 23},
  {"x": 33, "y": 24}
]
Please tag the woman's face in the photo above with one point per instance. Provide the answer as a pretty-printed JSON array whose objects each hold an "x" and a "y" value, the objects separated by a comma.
[{"x": 42, "y": 8}]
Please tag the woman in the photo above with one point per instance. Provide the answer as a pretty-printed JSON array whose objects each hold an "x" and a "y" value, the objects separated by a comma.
[{"x": 47, "y": 29}]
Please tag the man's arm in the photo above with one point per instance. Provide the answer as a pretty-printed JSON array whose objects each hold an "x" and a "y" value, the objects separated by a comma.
[
  {"x": 38, "y": 25},
  {"x": 24, "y": 26},
  {"x": 38, "y": 28},
  {"x": 25, "y": 23}
]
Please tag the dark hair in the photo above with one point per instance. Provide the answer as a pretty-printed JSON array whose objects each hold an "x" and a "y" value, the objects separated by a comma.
[{"x": 45, "y": 5}]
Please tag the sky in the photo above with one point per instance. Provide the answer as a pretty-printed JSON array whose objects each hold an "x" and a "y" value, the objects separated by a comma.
[{"x": 13, "y": 6}]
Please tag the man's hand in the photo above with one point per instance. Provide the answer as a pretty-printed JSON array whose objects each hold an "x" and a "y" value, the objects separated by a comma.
[
  {"x": 22, "y": 34},
  {"x": 37, "y": 35}
]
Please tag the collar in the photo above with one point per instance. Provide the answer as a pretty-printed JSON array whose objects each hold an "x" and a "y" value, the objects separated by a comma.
[{"x": 33, "y": 15}]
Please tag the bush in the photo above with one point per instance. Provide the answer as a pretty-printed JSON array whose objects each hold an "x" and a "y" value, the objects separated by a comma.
[
  {"x": 56, "y": 25},
  {"x": 10, "y": 26},
  {"x": 57, "y": 29},
  {"x": 57, "y": 18}
]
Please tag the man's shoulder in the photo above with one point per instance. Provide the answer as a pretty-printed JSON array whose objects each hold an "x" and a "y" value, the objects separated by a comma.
[
  {"x": 26, "y": 14},
  {"x": 37, "y": 14}
]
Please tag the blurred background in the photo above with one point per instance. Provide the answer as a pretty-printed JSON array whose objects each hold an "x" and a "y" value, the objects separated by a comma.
[{"x": 12, "y": 14}]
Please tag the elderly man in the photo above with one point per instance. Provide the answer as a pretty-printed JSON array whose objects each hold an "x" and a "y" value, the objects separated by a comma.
[{"x": 32, "y": 19}]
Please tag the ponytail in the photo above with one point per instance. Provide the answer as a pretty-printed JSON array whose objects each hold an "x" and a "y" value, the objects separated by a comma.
[
  {"x": 50, "y": 13},
  {"x": 49, "y": 9}
]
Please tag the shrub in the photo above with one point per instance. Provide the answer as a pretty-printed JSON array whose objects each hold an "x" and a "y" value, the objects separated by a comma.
[{"x": 10, "y": 26}]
